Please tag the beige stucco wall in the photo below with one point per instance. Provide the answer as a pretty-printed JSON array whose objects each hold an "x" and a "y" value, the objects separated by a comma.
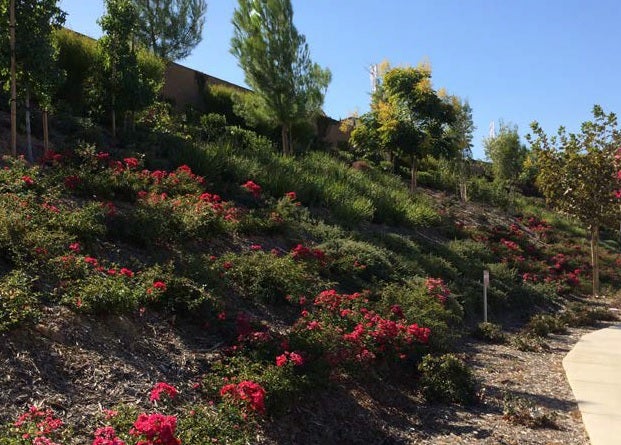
[{"x": 184, "y": 85}]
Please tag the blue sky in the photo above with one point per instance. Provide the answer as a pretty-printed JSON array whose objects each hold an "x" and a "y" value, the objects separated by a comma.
[{"x": 515, "y": 60}]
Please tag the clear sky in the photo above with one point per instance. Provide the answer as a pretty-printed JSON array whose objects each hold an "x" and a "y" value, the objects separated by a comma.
[{"x": 515, "y": 60}]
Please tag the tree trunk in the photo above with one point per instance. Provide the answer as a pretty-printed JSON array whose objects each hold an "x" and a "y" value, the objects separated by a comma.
[
  {"x": 595, "y": 258},
  {"x": 28, "y": 127},
  {"x": 113, "y": 123},
  {"x": 285, "y": 139},
  {"x": 13, "y": 80},
  {"x": 46, "y": 134},
  {"x": 113, "y": 102},
  {"x": 413, "y": 171},
  {"x": 290, "y": 135}
]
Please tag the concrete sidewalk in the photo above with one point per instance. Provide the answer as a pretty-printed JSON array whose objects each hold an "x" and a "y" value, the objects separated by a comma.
[{"x": 593, "y": 369}]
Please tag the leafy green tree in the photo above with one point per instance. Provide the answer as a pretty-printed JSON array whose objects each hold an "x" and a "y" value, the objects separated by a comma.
[
  {"x": 123, "y": 85},
  {"x": 170, "y": 28},
  {"x": 460, "y": 133},
  {"x": 35, "y": 54},
  {"x": 412, "y": 116},
  {"x": 577, "y": 175},
  {"x": 507, "y": 154},
  {"x": 277, "y": 64}
]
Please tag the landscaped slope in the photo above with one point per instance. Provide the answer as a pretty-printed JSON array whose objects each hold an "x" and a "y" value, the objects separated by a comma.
[{"x": 196, "y": 300}]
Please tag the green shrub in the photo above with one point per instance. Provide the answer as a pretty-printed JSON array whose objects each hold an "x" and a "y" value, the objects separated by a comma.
[
  {"x": 267, "y": 277},
  {"x": 18, "y": 301},
  {"x": 447, "y": 378},
  {"x": 480, "y": 189},
  {"x": 76, "y": 56},
  {"x": 357, "y": 263},
  {"x": 544, "y": 324},
  {"x": 213, "y": 127},
  {"x": 529, "y": 343},
  {"x": 444, "y": 319},
  {"x": 470, "y": 257},
  {"x": 489, "y": 332},
  {"x": 581, "y": 314},
  {"x": 531, "y": 294},
  {"x": 104, "y": 294}
]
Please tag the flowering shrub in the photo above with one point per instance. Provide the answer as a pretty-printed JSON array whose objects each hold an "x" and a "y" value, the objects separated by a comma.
[
  {"x": 162, "y": 388},
  {"x": 350, "y": 332},
  {"x": 437, "y": 288},
  {"x": 249, "y": 393},
  {"x": 155, "y": 429},
  {"x": 106, "y": 436},
  {"x": 253, "y": 188},
  {"x": 289, "y": 357},
  {"x": 38, "y": 425},
  {"x": 160, "y": 217}
]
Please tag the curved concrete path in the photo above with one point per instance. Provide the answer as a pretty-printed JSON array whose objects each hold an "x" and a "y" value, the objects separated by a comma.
[{"x": 593, "y": 369}]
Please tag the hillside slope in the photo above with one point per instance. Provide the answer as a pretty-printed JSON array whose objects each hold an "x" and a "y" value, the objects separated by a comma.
[{"x": 267, "y": 292}]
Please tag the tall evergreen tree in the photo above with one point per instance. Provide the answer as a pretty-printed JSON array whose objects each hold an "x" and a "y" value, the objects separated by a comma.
[
  {"x": 170, "y": 28},
  {"x": 277, "y": 65}
]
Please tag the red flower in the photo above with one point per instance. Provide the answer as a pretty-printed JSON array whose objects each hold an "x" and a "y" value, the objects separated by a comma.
[
  {"x": 253, "y": 188},
  {"x": 248, "y": 391},
  {"x": 157, "y": 428},
  {"x": 90, "y": 260},
  {"x": 106, "y": 436},
  {"x": 256, "y": 247},
  {"x": 160, "y": 285},
  {"x": 291, "y": 195},
  {"x": 281, "y": 360},
  {"x": 227, "y": 265},
  {"x": 131, "y": 163},
  {"x": 109, "y": 207},
  {"x": 127, "y": 272},
  {"x": 296, "y": 359},
  {"x": 160, "y": 388},
  {"x": 27, "y": 180},
  {"x": 103, "y": 156},
  {"x": 75, "y": 247}
]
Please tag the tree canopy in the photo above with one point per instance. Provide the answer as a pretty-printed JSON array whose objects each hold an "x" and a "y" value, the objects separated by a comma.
[
  {"x": 170, "y": 28},
  {"x": 577, "y": 174},
  {"x": 122, "y": 85},
  {"x": 507, "y": 154},
  {"x": 277, "y": 65},
  {"x": 35, "y": 53},
  {"x": 408, "y": 117}
]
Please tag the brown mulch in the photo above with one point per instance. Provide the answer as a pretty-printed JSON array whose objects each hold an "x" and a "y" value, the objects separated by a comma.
[
  {"x": 77, "y": 366},
  {"x": 389, "y": 413}
]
